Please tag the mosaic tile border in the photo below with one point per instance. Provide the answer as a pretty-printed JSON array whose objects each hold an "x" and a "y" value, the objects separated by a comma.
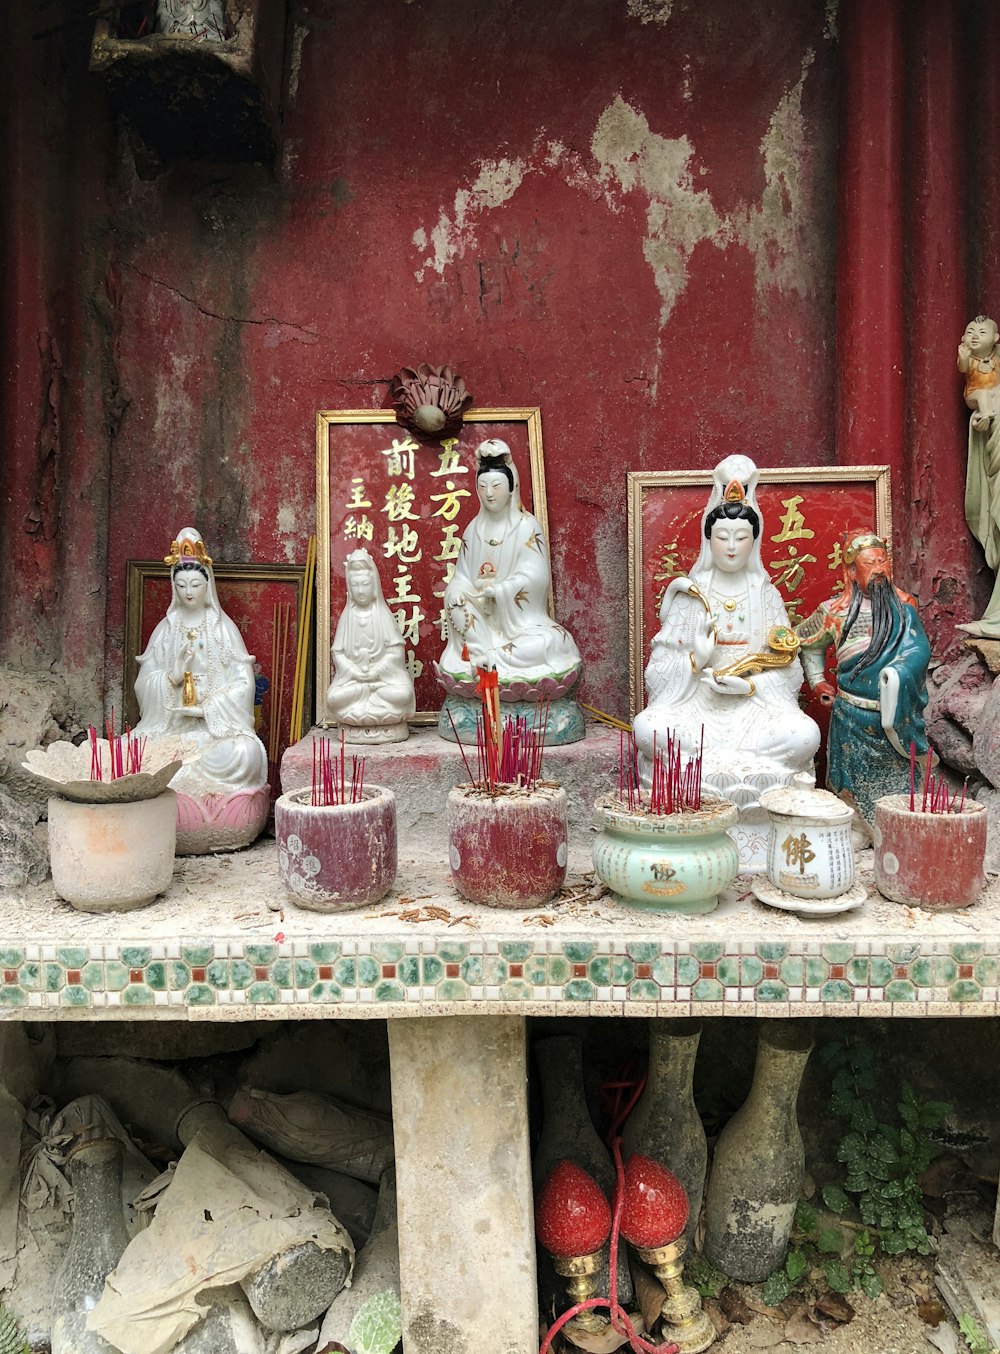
[{"x": 441, "y": 973}]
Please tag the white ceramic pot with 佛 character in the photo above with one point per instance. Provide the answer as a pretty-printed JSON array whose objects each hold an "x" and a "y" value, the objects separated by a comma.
[{"x": 809, "y": 852}]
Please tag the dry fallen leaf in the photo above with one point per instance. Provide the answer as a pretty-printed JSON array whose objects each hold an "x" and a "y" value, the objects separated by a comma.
[
  {"x": 941, "y": 1176},
  {"x": 775, "y": 1313},
  {"x": 604, "y": 1341},
  {"x": 734, "y": 1304},
  {"x": 835, "y": 1306},
  {"x": 931, "y": 1313},
  {"x": 716, "y": 1315},
  {"x": 762, "y": 1335},
  {"x": 801, "y": 1329},
  {"x": 918, "y": 1287},
  {"x": 649, "y": 1293}
]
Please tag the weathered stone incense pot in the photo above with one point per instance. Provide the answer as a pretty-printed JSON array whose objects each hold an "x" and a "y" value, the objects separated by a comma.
[
  {"x": 336, "y": 857},
  {"x": 508, "y": 846},
  {"x": 111, "y": 839},
  {"x": 930, "y": 860}
]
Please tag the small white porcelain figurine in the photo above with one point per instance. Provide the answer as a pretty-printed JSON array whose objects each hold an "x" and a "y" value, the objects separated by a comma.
[
  {"x": 371, "y": 695},
  {"x": 725, "y": 615},
  {"x": 979, "y": 363},
  {"x": 496, "y": 605},
  {"x": 497, "y": 599},
  {"x": 204, "y": 19},
  {"x": 196, "y": 679}
]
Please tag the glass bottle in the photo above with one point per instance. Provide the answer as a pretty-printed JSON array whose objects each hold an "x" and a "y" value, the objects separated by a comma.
[
  {"x": 759, "y": 1161},
  {"x": 96, "y": 1245},
  {"x": 568, "y": 1134},
  {"x": 665, "y": 1124}
]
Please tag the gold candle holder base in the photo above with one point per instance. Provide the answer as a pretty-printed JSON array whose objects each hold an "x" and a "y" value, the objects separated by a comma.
[
  {"x": 580, "y": 1270},
  {"x": 690, "y": 1327}
]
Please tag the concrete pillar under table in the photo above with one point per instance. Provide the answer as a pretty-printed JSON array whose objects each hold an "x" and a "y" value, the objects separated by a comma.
[{"x": 466, "y": 1228}]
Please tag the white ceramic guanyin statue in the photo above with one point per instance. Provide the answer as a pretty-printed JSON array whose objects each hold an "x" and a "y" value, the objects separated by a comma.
[
  {"x": 496, "y": 604},
  {"x": 727, "y": 610},
  {"x": 371, "y": 695},
  {"x": 205, "y": 19},
  {"x": 196, "y": 679}
]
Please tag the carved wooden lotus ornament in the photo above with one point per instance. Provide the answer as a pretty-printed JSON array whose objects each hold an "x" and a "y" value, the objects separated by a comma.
[{"x": 429, "y": 400}]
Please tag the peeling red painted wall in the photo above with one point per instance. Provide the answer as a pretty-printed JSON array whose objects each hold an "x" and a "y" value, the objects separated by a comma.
[{"x": 622, "y": 211}]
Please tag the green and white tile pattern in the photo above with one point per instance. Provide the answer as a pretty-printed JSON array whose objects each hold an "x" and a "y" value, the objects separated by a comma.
[{"x": 438, "y": 973}]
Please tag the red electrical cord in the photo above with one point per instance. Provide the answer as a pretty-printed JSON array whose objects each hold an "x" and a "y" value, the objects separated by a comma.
[{"x": 619, "y": 1318}]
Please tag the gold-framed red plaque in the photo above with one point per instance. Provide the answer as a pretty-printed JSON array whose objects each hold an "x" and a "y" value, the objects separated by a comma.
[
  {"x": 406, "y": 500},
  {"x": 805, "y": 513},
  {"x": 257, "y": 598}
]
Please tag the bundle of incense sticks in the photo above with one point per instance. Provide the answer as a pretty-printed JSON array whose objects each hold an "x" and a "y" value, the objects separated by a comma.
[
  {"x": 125, "y": 752},
  {"x": 936, "y": 797},
  {"x": 629, "y": 785},
  {"x": 329, "y": 775},
  {"x": 517, "y": 758},
  {"x": 302, "y": 644},
  {"x": 508, "y": 752},
  {"x": 675, "y": 782},
  {"x": 280, "y": 626}
]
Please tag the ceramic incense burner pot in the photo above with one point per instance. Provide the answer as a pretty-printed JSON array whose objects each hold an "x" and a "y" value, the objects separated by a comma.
[
  {"x": 809, "y": 851},
  {"x": 676, "y": 862}
]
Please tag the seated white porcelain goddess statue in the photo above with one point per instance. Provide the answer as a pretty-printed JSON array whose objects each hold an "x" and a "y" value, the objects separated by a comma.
[
  {"x": 196, "y": 679},
  {"x": 371, "y": 695},
  {"x": 728, "y": 614},
  {"x": 496, "y": 604}
]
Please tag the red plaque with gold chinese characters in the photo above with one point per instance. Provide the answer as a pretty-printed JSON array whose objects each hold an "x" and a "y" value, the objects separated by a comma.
[
  {"x": 406, "y": 500},
  {"x": 805, "y": 513}
]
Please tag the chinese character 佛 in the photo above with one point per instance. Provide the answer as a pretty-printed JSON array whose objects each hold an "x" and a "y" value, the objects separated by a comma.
[{"x": 798, "y": 851}]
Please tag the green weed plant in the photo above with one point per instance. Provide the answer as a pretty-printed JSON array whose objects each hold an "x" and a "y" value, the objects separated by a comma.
[{"x": 882, "y": 1164}]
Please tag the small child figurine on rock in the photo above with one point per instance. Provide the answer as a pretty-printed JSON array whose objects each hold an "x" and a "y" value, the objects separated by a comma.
[{"x": 979, "y": 363}]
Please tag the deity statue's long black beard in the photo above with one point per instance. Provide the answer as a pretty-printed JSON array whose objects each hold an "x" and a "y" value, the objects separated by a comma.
[{"x": 886, "y": 611}]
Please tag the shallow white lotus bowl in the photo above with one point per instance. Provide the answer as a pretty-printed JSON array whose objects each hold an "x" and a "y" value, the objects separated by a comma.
[{"x": 64, "y": 769}]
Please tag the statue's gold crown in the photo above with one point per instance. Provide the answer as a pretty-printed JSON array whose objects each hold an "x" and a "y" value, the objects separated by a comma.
[
  {"x": 863, "y": 540},
  {"x": 735, "y": 493},
  {"x": 192, "y": 550}
]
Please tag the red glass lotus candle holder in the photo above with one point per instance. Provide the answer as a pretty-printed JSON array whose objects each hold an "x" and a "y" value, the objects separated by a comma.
[
  {"x": 573, "y": 1221},
  {"x": 654, "y": 1215}
]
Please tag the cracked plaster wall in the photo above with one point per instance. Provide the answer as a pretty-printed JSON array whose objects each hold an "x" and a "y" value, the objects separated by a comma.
[{"x": 619, "y": 210}]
